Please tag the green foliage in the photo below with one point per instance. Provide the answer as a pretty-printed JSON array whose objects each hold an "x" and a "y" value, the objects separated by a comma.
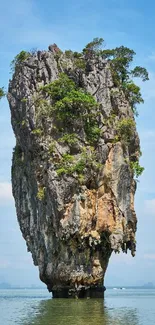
[
  {"x": 2, "y": 92},
  {"x": 87, "y": 160},
  {"x": 68, "y": 138},
  {"x": 37, "y": 132},
  {"x": 79, "y": 166},
  {"x": 92, "y": 130},
  {"x": 68, "y": 165},
  {"x": 93, "y": 47},
  {"x": 66, "y": 158},
  {"x": 120, "y": 59},
  {"x": 69, "y": 54},
  {"x": 23, "y": 100},
  {"x": 125, "y": 129},
  {"x": 81, "y": 179},
  {"x": 77, "y": 55},
  {"x": 51, "y": 148},
  {"x": 137, "y": 169},
  {"x": 19, "y": 58},
  {"x": 80, "y": 63},
  {"x": 65, "y": 166},
  {"x": 107, "y": 54},
  {"x": 140, "y": 72},
  {"x": 71, "y": 103},
  {"x": 133, "y": 95},
  {"x": 78, "y": 60},
  {"x": 41, "y": 193},
  {"x": 23, "y": 123},
  {"x": 123, "y": 53},
  {"x": 58, "y": 89},
  {"x": 75, "y": 108},
  {"x": 43, "y": 109},
  {"x": 76, "y": 103},
  {"x": 61, "y": 171},
  {"x": 110, "y": 120},
  {"x": 42, "y": 104},
  {"x": 116, "y": 139},
  {"x": 57, "y": 56}
]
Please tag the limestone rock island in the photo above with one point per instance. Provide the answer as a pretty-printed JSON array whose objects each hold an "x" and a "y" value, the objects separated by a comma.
[{"x": 77, "y": 150}]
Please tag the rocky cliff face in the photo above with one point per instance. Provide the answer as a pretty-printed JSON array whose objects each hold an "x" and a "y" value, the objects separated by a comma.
[{"x": 72, "y": 217}]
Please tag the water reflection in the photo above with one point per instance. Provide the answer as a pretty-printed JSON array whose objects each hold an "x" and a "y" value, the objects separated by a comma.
[{"x": 80, "y": 312}]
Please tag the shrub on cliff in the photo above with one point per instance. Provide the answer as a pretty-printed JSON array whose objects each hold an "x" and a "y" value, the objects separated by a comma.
[
  {"x": 94, "y": 46},
  {"x": 76, "y": 111},
  {"x": 136, "y": 168},
  {"x": 2, "y": 92},
  {"x": 19, "y": 58},
  {"x": 125, "y": 129},
  {"x": 133, "y": 94},
  {"x": 72, "y": 106},
  {"x": 70, "y": 103},
  {"x": 120, "y": 59},
  {"x": 59, "y": 88}
]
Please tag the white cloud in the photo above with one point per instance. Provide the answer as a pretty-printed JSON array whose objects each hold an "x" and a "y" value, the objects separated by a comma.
[{"x": 5, "y": 193}]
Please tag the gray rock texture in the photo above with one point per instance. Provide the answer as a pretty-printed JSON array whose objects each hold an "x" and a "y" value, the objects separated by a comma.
[{"x": 71, "y": 228}]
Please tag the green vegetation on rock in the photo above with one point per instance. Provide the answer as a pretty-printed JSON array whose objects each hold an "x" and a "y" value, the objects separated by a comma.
[
  {"x": 37, "y": 132},
  {"x": 70, "y": 165},
  {"x": 75, "y": 113},
  {"x": 94, "y": 47},
  {"x": 59, "y": 88},
  {"x": 70, "y": 103},
  {"x": 125, "y": 130},
  {"x": 51, "y": 148},
  {"x": 133, "y": 94},
  {"x": 2, "y": 92},
  {"x": 23, "y": 100},
  {"x": 69, "y": 54},
  {"x": 19, "y": 58},
  {"x": 69, "y": 139},
  {"x": 41, "y": 193},
  {"x": 137, "y": 169},
  {"x": 120, "y": 59}
]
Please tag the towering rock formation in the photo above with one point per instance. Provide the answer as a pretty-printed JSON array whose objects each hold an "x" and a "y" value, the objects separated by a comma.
[{"x": 71, "y": 174}]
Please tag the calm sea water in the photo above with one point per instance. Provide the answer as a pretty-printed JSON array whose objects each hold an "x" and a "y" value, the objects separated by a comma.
[{"x": 120, "y": 307}]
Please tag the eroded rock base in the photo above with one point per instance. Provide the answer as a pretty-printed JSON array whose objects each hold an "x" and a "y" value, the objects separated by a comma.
[{"x": 81, "y": 292}]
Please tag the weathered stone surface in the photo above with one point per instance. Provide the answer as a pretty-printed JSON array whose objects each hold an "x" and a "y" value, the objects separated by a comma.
[{"x": 73, "y": 230}]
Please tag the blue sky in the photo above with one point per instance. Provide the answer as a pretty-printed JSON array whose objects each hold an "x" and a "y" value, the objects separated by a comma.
[{"x": 27, "y": 24}]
